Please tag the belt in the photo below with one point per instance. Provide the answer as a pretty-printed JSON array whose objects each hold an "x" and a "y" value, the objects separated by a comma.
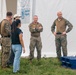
[
  {"x": 5, "y": 36},
  {"x": 58, "y": 33},
  {"x": 35, "y": 36}
]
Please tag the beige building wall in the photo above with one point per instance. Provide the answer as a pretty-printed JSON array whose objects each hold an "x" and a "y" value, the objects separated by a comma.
[{"x": 11, "y": 5}]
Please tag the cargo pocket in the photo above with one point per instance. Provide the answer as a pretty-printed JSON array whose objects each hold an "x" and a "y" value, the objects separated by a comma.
[{"x": 6, "y": 41}]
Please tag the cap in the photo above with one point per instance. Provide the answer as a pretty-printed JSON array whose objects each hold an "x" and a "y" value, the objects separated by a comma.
[{"x": 16, "y": 15}]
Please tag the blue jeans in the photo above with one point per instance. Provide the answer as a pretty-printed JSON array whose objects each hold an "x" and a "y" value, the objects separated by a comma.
[{"x": 17, "y": 49}]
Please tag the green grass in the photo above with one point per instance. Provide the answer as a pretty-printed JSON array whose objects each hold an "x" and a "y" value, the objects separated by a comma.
[{"x": 48, "y": 66}]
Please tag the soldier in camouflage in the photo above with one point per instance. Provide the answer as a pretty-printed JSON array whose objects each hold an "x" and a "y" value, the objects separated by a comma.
[
  {"x": 35, "y": 28},
  {"x": 6, "y": 39},
  {"x": 60, "y": 34}
]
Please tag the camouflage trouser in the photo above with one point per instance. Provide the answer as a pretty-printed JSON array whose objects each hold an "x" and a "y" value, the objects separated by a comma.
[
  {"x": 35, "y": 42},
  {"x": 6, "y": 47},
  {"x": 61, "y": 41}
]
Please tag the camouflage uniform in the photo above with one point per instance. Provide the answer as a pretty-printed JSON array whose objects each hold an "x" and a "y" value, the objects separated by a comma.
[
  {"x": 60, "y": 39},
  {"x": 35, "y": 40},
  {"x": 6, "y": 42}
]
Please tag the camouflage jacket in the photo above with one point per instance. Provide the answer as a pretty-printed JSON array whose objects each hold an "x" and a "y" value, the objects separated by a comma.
[
  {"x": 5, "y": 28},
  {"x": 35, "y": 29},
  {"x": 61, "y": 26}
]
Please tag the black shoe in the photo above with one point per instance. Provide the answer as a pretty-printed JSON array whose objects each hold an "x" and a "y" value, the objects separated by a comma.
[{"x": 8, "y": 66}]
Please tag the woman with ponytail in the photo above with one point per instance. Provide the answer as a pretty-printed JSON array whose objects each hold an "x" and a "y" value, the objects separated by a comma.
[{"x": 17, "y": 45}]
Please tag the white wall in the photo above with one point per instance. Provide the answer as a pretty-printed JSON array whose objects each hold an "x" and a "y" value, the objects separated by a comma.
[
  {"x": 2, "y": 9},
  {"x": 47, "y": 10}
]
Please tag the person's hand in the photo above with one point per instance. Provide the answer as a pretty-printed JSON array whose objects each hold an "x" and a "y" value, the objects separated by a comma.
[
  {"x": 64, "y": 33},
  {"x": 33, "y": 27},
  {"x": 40, "y": 27},
  {"x": 54, "y": 33},
  {"x": 23, "y": 50}
]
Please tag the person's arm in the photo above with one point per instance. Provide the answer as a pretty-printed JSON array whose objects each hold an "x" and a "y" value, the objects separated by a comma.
[
  {"x": 53, "y": 28},
  {"x": 7, "y": 28},
  {"x": 21, "y": 41},
  {"x": 39, "y": 28},
  {"x": 70, "y": 26},
  {"x": 32, "y": 29}
]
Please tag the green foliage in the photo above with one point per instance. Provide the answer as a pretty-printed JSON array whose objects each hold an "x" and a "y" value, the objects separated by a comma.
[{"x": 46, "y": 66}]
